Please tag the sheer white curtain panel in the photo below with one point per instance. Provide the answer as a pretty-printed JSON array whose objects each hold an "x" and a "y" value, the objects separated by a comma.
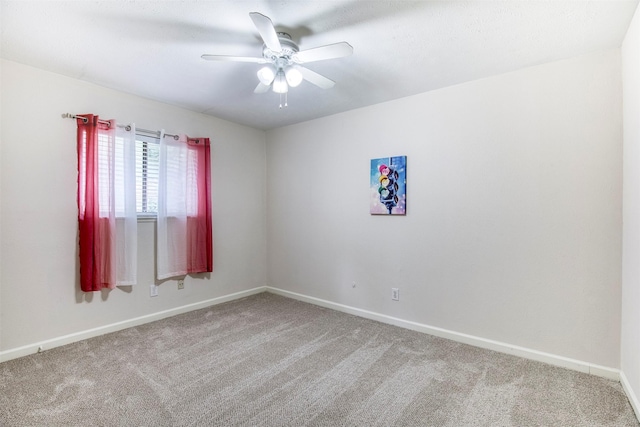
[
  {"x": 172, "y": 208},
  {"x": 126, "y": 218},
  {"x": 185, "y": 234}
]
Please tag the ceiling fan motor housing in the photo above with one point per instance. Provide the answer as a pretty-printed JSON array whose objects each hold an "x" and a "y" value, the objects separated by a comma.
[{"x": 289, "y": 48}]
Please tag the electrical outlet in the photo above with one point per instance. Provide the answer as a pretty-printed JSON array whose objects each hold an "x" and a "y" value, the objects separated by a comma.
[
  {"x": 395, "y": 294},
  {"x": 181, "y": 284},
  {"x": 153, "y": 290}
]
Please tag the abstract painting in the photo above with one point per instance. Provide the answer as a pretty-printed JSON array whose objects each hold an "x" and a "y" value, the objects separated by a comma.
[{"x": 388, "y": 186}]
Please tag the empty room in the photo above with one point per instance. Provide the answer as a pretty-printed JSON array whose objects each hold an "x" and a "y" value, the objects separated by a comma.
[{"x": 320, "y": 213}]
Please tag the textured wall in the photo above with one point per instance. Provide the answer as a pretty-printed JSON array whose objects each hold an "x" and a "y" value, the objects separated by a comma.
[
  {"x": 39, "y": 288},
  {"x": 513, "y": 225},
  {"x": 630, "y": 356}
]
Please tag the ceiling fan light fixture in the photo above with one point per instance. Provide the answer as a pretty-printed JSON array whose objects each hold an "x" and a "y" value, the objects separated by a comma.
[
  {"x": 283, "y": 60},
  {"x": 294, "y": 76},
  {"x": 280, "y": 83},
  {"x": 266, "y": 75}
]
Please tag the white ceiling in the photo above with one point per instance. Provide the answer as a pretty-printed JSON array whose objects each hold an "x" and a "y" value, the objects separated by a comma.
[{"x": 401, "y": 48}]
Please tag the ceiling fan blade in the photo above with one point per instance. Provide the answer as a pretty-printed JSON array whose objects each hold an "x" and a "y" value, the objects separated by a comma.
[
  {"x": 330, "y": 51},
  {"x": 315, "y": 78},
  {"x": 261, "y": 88},
  {"x": 233, "y": 58},
  {"x": 267, "y": 31}
]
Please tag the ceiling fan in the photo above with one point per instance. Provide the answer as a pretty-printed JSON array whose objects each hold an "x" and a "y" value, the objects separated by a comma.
[{"x": 284, "y": 59}]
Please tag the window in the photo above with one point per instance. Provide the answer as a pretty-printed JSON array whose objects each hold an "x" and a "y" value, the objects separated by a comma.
[
  {"x": 119, "y": 170},
  {"x": 147, "y": 162}
]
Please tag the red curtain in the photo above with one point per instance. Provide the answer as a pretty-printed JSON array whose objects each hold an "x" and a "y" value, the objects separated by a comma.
[
  {"x": 199, "y": 227},
  {"x": 184, "y": 231},
  {"x": 96, "y": 232}
]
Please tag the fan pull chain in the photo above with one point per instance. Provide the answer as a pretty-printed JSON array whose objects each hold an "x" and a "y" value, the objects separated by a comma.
[{"x": 286, "y": 104}]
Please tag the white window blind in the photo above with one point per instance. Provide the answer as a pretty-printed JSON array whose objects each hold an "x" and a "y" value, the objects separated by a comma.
[
  {"x": 147, "y": 162},
  {"x": 147, "y": 167}
]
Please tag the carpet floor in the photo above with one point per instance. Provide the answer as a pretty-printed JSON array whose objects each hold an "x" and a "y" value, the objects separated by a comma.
[{"x": 267, "y": 360}]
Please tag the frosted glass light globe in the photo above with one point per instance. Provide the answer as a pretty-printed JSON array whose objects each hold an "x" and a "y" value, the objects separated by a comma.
[
  {"x": 294, "y": 77},
  {"x": 266, "y": 75},
  {"x": 280, "y": 83}
]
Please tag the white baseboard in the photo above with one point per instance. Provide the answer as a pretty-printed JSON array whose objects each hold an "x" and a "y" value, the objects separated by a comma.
[
  {"x": 551, "y": 359},
  {"x": 90, "y": 333},
  {"x": 527, "y": 353},
  {"x": 633, "y": 399}
]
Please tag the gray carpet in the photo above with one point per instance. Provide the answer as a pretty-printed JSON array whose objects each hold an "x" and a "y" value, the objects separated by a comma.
[{"x": 271, "y": 361}]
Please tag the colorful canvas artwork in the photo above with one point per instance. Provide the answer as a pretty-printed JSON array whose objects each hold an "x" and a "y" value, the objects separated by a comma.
[{"x": 389, "y": 186}]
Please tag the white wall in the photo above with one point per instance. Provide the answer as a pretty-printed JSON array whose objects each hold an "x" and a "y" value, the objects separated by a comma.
[
  {"x": 630, "y": 349},
  {"x": 1, "y": 239},
  {"x": 513, "y": 225},
  {"x": 39, "y": 285}
]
